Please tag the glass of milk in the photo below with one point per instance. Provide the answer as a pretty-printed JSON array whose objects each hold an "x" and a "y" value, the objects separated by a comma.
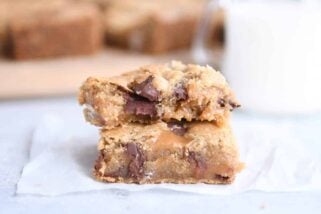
[{"x": 272, "y": 56}]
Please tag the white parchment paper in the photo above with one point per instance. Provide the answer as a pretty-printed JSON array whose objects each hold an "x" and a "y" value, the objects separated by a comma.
[{"x": 278, "y": 157}]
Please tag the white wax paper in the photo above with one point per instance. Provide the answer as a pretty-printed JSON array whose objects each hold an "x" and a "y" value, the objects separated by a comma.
[{"x": 278, "y": 157}]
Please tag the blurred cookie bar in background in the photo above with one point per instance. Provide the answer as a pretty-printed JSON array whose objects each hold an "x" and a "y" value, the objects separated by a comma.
[
  {"x": 50, "y": 28},
  {"x": 152, "y": 26},
  {"x": 71, "y": 30}
]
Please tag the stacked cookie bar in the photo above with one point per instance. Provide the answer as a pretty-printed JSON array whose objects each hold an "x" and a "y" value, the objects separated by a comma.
[{"x": 163, "y": 123}]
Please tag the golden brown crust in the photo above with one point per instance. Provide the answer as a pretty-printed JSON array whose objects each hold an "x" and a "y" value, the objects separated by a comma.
[{"x": 159, "y": 181}]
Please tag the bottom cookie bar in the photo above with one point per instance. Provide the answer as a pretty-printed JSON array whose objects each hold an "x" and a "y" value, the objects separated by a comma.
[{"x": 175, "y": 152}]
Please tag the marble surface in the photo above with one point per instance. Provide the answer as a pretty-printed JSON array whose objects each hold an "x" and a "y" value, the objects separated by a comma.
[{"x": 18, "y": 119}]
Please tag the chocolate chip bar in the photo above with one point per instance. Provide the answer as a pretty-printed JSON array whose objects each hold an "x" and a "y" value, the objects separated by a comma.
[
  {"x": 175, "y": 152},
  {"x": 11, "y": 9},
  {"x": 154, "y": 26},
  {"x": 71, "y": 29},
  {"x": 158, "y": 92}
]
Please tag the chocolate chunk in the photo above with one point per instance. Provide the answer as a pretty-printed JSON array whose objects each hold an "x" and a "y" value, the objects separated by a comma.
[
  {"x": 191, "y": 156},
  {"x": 132, "y": 149},
  {"x": 134, "y": 169},
  {"x": 178, "y": 127},
  {"x": 180, "y": 93},
  {"x": 200, "y": 163},
  {"x": 221, "y": 102},
  {"x": 146, "y": 89},
  {"x": 137, "y": 160},
  {"x": 140, "y": 107}
]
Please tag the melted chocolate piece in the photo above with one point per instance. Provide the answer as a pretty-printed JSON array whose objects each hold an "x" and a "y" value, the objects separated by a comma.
[
  {"x": 137, "y": 159},
  {"x": 180, "y": 93},
  {"x": 200, "y": 163},
  {"x": 135, "y": 169},
  {"x": 140, "y": 107},
  {"x": 132, "y": 150},
  {"x": 178, "y": 127},
  {"x": 146, "y": 89}
]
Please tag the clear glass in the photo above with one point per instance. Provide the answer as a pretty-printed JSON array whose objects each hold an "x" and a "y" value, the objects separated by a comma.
[{"x": 271, "y": 54}]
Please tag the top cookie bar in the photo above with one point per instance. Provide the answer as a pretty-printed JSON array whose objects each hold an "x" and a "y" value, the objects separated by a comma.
[{"x": 172, "y": 91}]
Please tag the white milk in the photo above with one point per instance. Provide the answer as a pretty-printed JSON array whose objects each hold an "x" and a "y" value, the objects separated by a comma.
[{"x": 273, "y": 56}]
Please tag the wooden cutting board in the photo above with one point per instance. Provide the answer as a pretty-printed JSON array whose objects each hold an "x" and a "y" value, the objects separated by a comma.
[{"x": 63, "y": 76}]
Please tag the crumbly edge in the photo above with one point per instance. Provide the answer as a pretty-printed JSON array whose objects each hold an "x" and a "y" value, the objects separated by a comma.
[{"x": 202, "y": 108}]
